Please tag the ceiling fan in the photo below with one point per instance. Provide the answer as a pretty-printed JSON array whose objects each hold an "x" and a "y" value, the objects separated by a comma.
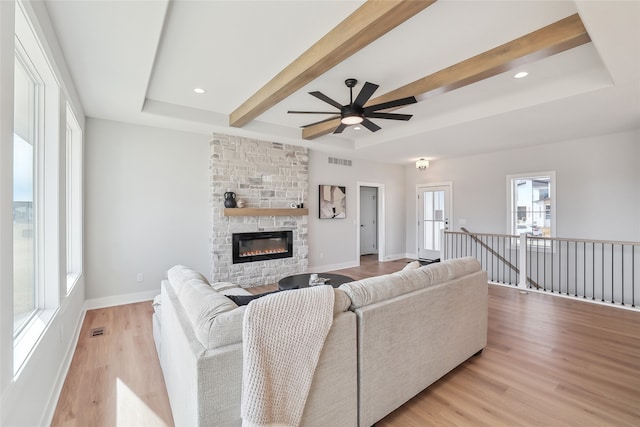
[{"x": 355, "y": 112}]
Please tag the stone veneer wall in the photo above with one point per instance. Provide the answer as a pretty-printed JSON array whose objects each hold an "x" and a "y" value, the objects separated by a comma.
[{"x": 265, "y": 175}]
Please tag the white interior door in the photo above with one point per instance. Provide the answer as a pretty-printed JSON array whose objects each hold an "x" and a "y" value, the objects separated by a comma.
[
  {"x": 434, "y": 208},
  {"x": 368, "y": 220}
]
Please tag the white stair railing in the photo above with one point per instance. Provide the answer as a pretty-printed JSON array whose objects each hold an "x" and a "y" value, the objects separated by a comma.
[{"x": 595, "y": 270}]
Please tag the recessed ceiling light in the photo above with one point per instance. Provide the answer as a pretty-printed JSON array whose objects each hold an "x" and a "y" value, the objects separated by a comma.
[
  {"x": 357, "y": 128},
  {"x": 521, "y": 74},
  {"x": 199, "y": 90}
]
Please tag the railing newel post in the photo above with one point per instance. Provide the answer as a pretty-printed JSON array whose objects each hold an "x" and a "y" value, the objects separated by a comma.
[{"x": 523, "y": 261}]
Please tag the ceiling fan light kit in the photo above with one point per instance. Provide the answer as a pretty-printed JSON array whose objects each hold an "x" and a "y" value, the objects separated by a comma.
[
  {"x": 355, "y": 112},
  {"x": 351, "y": 119}
]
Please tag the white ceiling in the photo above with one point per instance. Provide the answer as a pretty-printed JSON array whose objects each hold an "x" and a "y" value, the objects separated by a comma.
[{"x": 139, "y": 61}]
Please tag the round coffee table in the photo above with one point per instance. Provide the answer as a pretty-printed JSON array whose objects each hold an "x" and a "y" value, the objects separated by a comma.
[{"x": 302, "y": 280}]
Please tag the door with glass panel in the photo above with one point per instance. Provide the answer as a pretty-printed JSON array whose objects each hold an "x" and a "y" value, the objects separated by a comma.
[{"x": 434, "y": 208}]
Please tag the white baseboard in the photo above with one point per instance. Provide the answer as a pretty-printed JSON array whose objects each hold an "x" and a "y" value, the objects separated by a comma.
[
  {"x": 411, "y": 256},
  {"x": 332, "y": 267},
  {"x": 354, "y": 263},
  {"x": 92, "y": 304},
  {"x": 64, "y": 370},
  {"x": 395, "y": 257}
]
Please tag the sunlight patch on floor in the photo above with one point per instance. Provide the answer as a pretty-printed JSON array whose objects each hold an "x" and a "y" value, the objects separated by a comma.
[{"x": 132, "y": 411}]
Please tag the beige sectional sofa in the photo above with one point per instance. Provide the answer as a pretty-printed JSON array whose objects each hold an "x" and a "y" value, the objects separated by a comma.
[
  {"x": 200, "y": 352},
  {"x": 414, "y": 326},
  {"x": 392, "y": 336}
]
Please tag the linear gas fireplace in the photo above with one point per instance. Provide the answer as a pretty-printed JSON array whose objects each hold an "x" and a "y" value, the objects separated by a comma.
[{"x": 260, "y": 246}]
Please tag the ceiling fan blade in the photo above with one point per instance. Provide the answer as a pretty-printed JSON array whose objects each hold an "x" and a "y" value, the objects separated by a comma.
[
  {"x": 391, "y": 104},
  {"x": 390, "y": 116},
  {"x": 326, "y": 99},
  {"x": 312, "y": 112},
  {"x": 370, "y": 125},
  {"x": 365, "y": 93},
  {"x": 340, "y": 128},
  {"x": 321, "y": 121}
]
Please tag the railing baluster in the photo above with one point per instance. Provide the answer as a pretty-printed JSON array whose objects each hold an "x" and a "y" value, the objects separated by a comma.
[
  {"x": 575, "y": 260},
  {"x": 602, "y": 296},
  {"x": 545, "y": 264},
  {"x": 612, "y": 269},
  {"x": 584, "y": 269},
  {"x": 559, "y": 267},
  {"x": 622, "y": 272},
  {"x": 517, "y": 257},
  {"x": 504, "y": 266},
  {"x": 529, "y": 253},
  {"x": 492, "y": 258},
  {"x": 568, "y": 292},
  {"x": 593, "y": 273},
  {"x": 553, "y": 257}
]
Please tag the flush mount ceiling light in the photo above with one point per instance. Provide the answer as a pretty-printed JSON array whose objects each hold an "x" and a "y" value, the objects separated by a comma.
[
  {"x": 199, "y": 90},
  {"x": 422, "y": 164},
  {"x": 521, "y": 75}
]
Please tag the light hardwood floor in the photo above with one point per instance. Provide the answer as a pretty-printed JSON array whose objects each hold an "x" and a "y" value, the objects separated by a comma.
[{"x": 549, "y": 362}]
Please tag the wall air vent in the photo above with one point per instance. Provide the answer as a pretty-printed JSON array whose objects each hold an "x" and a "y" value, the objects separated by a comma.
[{"x": 341, "y": 162}]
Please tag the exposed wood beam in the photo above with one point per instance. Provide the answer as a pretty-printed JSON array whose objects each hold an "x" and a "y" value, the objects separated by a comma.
[
  {"x": 557, "y": 37},
  {"x": 369, "y": 22}
]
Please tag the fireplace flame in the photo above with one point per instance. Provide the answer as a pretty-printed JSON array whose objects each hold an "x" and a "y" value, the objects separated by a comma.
[{"x": 263, "y": 252}]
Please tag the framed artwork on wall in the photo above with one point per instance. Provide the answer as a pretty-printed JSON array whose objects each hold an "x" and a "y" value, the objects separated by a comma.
[{"x": 333, "y": 201}]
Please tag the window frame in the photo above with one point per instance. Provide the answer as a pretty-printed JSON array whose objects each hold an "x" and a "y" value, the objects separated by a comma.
[
  {"x": 47, "y": 224},
  {"x": 74, "y": 199},
  {"x": 20, "y": 56},
  {"x": 512, "y": 209}
]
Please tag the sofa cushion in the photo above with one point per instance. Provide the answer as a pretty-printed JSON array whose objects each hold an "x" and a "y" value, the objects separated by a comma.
[
  {"x": 375, "y": 289},
  {"x": 224, "y": 286},
  {"x": 462, "y": 266},
  {"x": 341, "y": 301},
  {"x": 412, "y": 265},
  {"x": 178, "y": 275},
  {"x": 203, "y": 305},
  {"x": 379, "y": 288}
]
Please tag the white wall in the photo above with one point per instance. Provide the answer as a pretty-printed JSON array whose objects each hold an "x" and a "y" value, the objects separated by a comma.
[
  {"x": 146, "y": 208},
  {"x": 597, "y": 187},
  {"x": 333, "y": 242}
]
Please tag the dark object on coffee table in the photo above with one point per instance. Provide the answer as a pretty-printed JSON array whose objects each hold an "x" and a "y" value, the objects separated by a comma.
[{"x": 302, "y": 280}]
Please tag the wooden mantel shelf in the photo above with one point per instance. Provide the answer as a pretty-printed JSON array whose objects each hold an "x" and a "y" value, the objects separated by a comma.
[{"x": 265, "y": 211}]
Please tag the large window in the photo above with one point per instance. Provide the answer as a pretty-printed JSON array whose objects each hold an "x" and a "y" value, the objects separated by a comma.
[
  {"x": 532, "y": 204},
  {"x": 39, "y": 206},
  {"x": 25, "y": 133}
]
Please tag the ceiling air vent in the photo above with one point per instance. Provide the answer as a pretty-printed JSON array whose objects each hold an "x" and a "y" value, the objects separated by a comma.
[{"x": 341, "y": 162}]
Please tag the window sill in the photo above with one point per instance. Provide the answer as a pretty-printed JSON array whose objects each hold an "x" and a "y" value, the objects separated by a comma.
[
  {"x": 27, "y": 340},
  {"x": 72, "y": 279}
]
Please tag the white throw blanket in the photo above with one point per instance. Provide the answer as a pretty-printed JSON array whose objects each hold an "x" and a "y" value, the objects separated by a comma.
[{"x": 283, "y": 335}]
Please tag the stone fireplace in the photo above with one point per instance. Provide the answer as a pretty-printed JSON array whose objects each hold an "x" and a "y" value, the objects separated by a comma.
[{"x": 265, "y": 175}]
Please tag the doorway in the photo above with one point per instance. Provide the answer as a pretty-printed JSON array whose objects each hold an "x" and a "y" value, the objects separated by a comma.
[
  {"x": 434, "y": 211},
  {"x": 370, "y": 226},
  {"x": 368, "y": 221}
]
